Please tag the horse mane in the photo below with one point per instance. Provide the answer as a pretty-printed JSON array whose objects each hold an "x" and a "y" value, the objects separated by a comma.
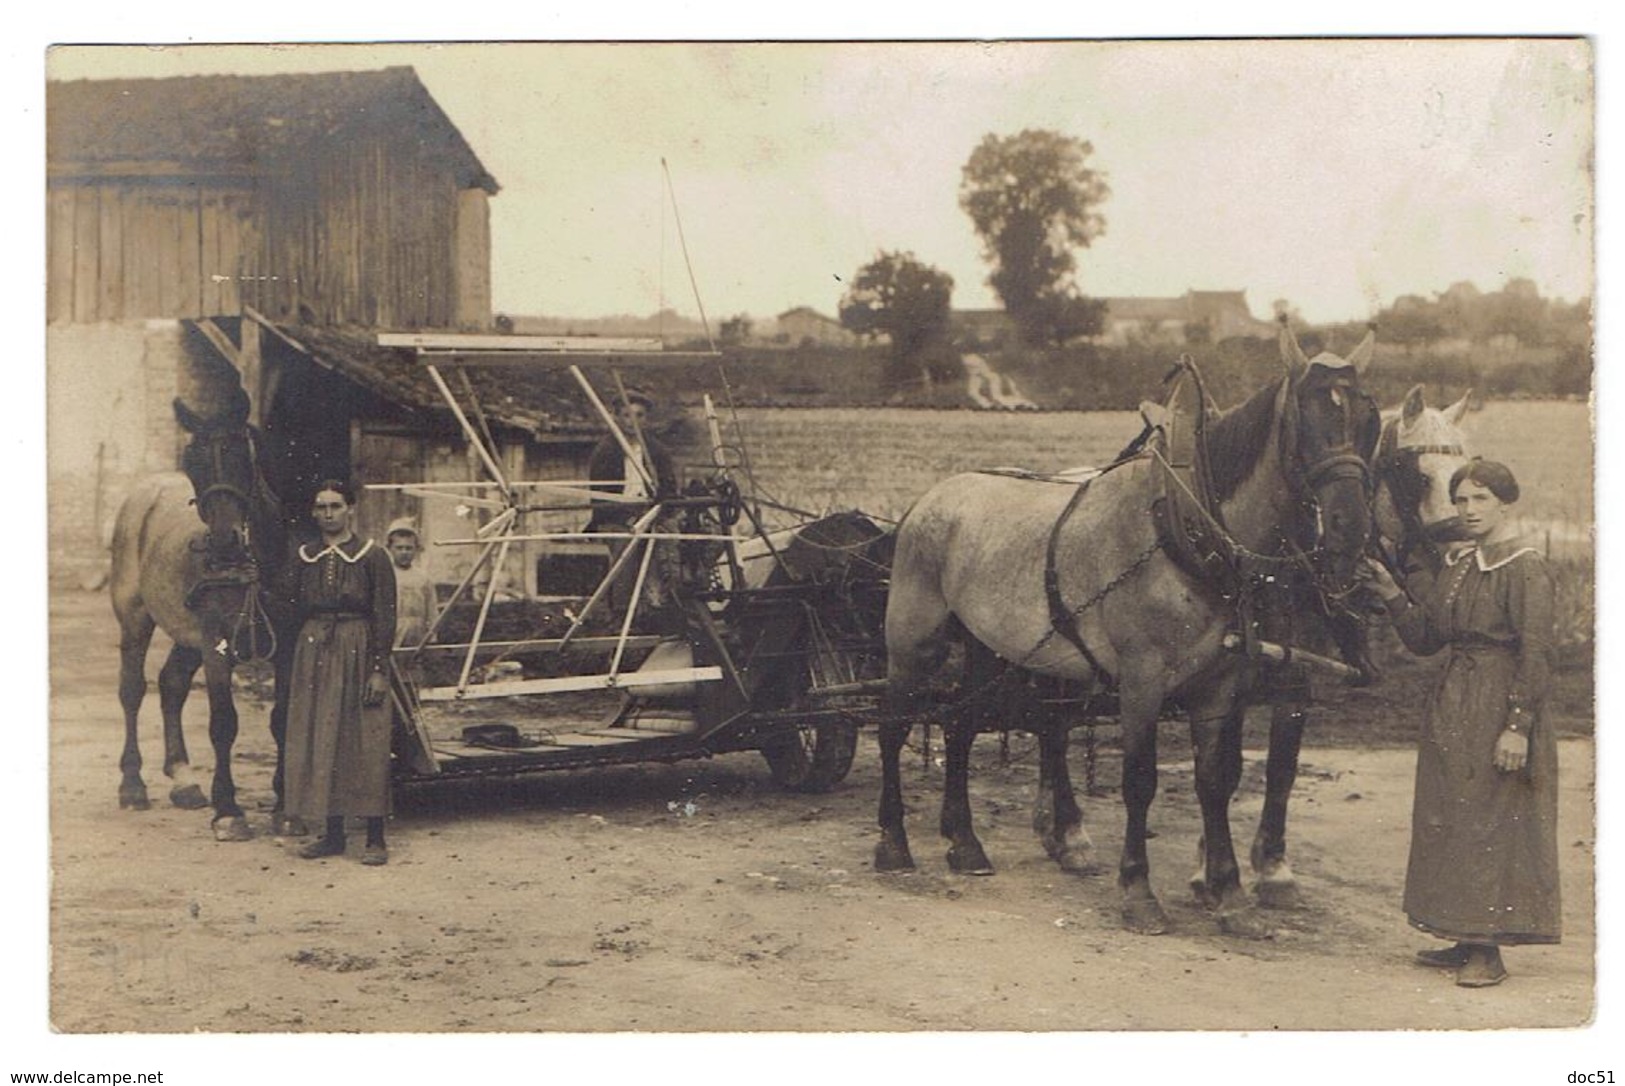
[{"x": 1237, "y": 438}]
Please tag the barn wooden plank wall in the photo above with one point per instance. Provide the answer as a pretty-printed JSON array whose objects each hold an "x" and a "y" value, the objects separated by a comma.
[
  {"x": 372, "y": 232},
  {"x": 146, "y": 251}
]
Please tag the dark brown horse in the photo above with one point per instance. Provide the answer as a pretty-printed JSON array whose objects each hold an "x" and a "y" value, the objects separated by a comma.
[
  {"x": 193, "y": 554},
  {"x": 1082, "y": 587},
  {"x": 1413, "y": 456}
]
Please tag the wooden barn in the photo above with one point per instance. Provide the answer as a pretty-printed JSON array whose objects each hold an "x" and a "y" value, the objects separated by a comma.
[
  {"x": 188, "y": 217},
  {"x": 345, "y": 198}
]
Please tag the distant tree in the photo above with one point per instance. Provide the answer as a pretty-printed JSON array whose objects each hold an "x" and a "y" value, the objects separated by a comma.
[
  {"x": 1062, "y": 317},
  {"x": 1412, "y": 321},
  {"x": 1517, "y": 310},
  {"x": 735, "y": 330},
  {"x": 904, "y": 299},
  {"x": 1460, "y": 312},
  {"x": 1571, "y": 323},
  {"x": 1033, "y": 199}
]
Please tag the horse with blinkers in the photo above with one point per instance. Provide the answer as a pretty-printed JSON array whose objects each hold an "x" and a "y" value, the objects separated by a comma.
[
  {"x": 988, "y": 558},
  {"x": 194, "y": 554}
]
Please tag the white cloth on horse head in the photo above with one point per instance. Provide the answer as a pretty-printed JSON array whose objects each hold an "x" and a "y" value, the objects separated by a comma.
[{"x": 1330, "y": 361}]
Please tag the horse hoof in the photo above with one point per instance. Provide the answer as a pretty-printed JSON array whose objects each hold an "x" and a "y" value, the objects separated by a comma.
[
  {"x": 189, "y": 797},
  {"x": 893, "y": 857},
  {"x": 1204, "y": 897},
  {"x": 232, "y": 828},
  {"x": 1079, "y": 861},
  {"x": 134, "y": 801},
  {"x": 1279, "y": 895},
  {"x": 1145, "y": 917},
  {"x": 288, "y": 826},
  {"x": 969, "y": 860},
  {"x": 1246, "y": 924}
]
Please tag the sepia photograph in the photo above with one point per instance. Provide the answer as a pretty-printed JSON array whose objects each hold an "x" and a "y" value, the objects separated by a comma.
[{"x": 821, "y": 540}]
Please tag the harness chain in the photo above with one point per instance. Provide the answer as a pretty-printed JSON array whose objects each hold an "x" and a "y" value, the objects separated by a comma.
[{"x": 1246, "y": 564}]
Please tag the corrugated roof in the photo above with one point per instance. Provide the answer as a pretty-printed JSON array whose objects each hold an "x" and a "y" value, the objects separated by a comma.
[{"x": 239, "y": 123}]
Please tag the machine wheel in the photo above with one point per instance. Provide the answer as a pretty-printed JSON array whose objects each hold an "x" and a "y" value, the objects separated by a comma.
[{"x": 813, "y": 757}]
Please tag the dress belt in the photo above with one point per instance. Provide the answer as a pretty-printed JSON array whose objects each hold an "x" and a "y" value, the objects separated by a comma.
[{"x": 1467, "y": 652}]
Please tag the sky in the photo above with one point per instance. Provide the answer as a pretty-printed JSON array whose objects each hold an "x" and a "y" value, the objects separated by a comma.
[{"x": 1336, "y": 175}]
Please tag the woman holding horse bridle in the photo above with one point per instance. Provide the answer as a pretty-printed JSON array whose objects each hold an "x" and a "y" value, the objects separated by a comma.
[
  {"x": 337, "y": 760},
  {"x": 1483, "y": 860}
]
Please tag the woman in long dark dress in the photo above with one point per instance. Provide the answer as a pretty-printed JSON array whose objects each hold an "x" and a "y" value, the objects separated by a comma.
[
  {"x": 338, "y": 739},
  {"x": 1483, "y": 860}
]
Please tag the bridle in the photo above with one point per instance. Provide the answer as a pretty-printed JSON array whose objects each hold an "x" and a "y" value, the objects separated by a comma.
[
  {"x": 214, "y": 446},
  {"x": 231, "y": 563},
  {"x": 1344, "y": 462},
  {"x": 1397, "y": 467}
]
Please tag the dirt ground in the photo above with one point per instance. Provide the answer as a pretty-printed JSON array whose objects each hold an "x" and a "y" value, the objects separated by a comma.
[{"x": 696, "y": 897}]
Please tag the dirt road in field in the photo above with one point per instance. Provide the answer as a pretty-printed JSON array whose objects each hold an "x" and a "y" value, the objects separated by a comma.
[{"x": 696, "y": 897}]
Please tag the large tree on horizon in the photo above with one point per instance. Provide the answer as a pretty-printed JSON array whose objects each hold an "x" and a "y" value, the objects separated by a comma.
[{"x": 1033, "y": 200}]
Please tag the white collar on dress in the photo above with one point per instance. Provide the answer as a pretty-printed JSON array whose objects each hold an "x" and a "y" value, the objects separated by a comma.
[
  {"x": 1483, "y": 563},
  {"x": 335, "y": 548}
]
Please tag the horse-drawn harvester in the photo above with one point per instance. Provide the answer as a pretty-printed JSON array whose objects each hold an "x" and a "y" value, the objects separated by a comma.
[{"x": 737, "y": 635}]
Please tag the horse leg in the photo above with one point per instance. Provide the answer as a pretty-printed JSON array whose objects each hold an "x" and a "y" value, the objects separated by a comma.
[
  {"x": 917, "y": 622},
  {"x": 980, "y": 709},
  {"x": 174, "y": 682},
  {"x": 135, "y": 637},
  {"x": 1057, "y": 818},
  {"x": 1137, "y": 720},
  {"x": 229, "y": 821},
  {"x": 281, "y": 824},
  {"x": 1216, "y": 736},
  {"x": 1277, "y": 887},
  {"x": 892, "y": 854},
  {"x": 965, "y": 853}
]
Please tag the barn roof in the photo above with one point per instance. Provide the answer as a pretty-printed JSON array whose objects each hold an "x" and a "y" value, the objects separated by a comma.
[
  {"x": 542, "y": 401},
  {"x": 238, "y": 123}
]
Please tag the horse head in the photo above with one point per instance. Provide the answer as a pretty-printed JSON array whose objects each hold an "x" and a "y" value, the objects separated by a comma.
[
  {"x": 220, "y": 461},
  {"x": 1331, "y": 427},
  {"x": 1421, "y": 447}
]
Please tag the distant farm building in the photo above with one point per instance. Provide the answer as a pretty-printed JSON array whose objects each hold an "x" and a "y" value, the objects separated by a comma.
[
  {"x": 205, "y": 231},
  {"x": 805, "y": 325},
  {"x": 1197, "y": 315}
]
